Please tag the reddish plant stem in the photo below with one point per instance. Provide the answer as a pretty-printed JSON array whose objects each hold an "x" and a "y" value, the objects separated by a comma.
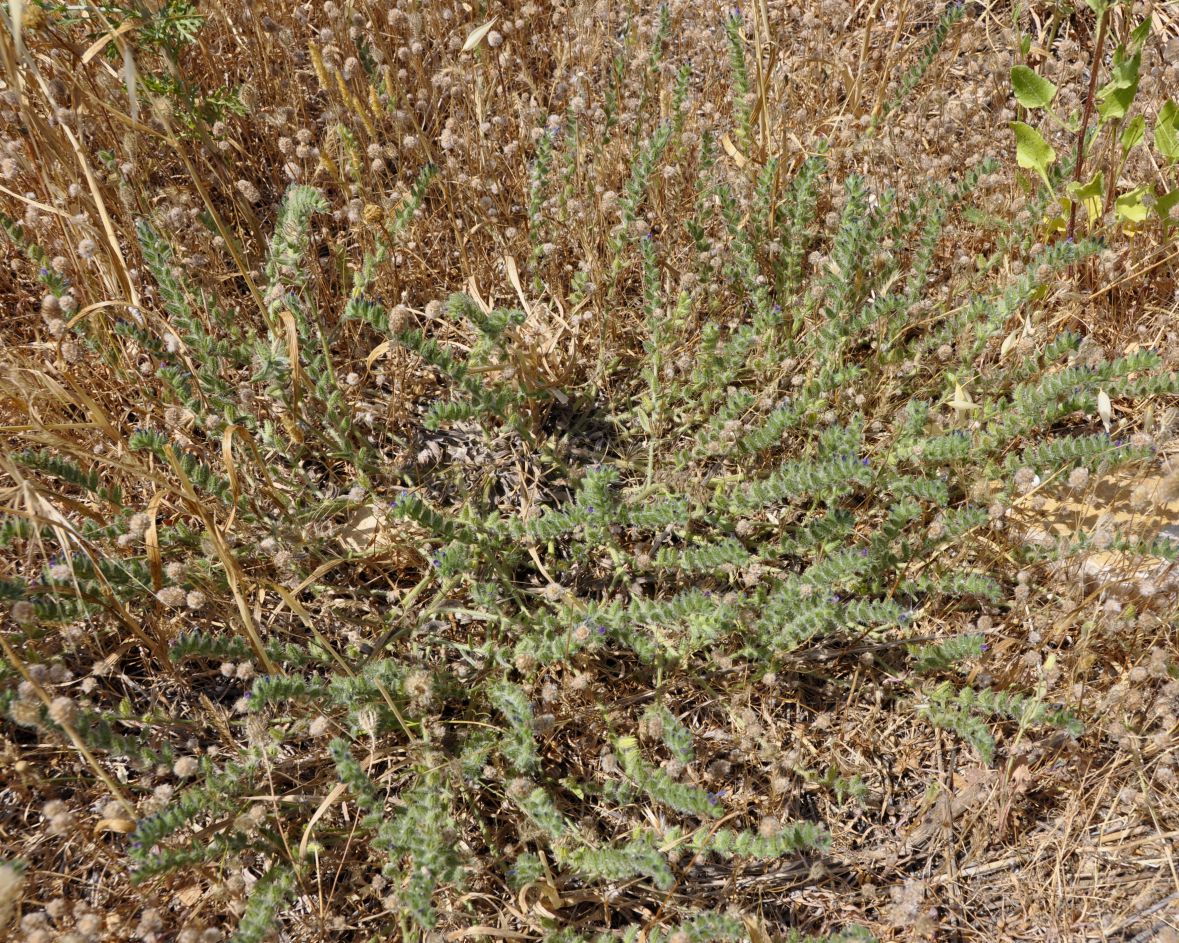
[{"x": 1097, "y": 47}]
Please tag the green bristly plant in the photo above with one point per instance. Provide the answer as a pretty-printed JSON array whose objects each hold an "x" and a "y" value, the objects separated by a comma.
[
  {"x": 792, "y": 460},
  {"x": 1116, "y": 134}
]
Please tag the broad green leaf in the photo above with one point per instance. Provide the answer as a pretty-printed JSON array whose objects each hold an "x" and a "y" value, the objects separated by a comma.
[
  {"x": 1141, "y": 32},
  {"x": 1089, "y": 195},
  {"x": 1124, "y": 72},
  {"x": 1032, "y": 152},
  {"x": 1117, "y": 104},
  {"x": 1056, "y": 216},
  {"x": 1031, "y": 90},
  {"x": 1054, "y": 225},
  {"x": 1132, "y": 133},
  {"x": 1118, "y": 93},
  {"x": 1166, "y": 130},
  {"x": 1165, "y": 204},
  {"x": 1098, "y": 6},
  {"x": 1131, "y": 206}
]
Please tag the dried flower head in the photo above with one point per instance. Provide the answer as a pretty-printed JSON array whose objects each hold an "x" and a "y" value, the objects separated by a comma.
[
  {"x": 174, "y": 597},
  {"x": 249, "y": 191},
  {"x": 1078, "y": 478},
  {"x": 11, "y": 881},
  {"x": 1026, "y": 480},
  {"x": 63, "y": 711},
  {"x": 23, "y": 612}
]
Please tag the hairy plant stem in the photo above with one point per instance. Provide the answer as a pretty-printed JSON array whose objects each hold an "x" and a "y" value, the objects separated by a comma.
[{"x": 1102, "y": 25}]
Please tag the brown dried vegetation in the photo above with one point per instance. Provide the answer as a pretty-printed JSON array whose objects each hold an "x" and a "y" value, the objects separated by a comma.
[{"x": 1060, "y": 839}]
